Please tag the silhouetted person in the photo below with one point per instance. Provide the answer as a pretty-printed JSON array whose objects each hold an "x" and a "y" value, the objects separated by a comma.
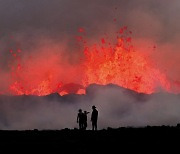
[
  {"x": 80, "y": 117},
  {"x": 85, "y": 119},
  {"x": 94, "y": 118}
]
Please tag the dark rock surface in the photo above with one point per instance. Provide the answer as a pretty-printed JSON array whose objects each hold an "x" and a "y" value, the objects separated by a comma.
[{"x": 121, "y": 140}]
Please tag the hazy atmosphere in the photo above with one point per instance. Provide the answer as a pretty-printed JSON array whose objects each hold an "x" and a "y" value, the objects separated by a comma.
[{"x": 48, "y": 48}]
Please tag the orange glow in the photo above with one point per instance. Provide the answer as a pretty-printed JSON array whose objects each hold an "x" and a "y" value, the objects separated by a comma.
[
  {"x": 102, "y": 63},
  {"x": 122, "y": 66},
  {"x": 81, "y": 91},
  {"x": 62, "y": 93}
]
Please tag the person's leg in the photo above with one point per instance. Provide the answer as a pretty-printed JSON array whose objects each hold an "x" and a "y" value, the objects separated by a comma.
[
  {"x": 80, "y": 125},
  {"x": 95, "y": 125},
  {"x": 85, "y": 125}
]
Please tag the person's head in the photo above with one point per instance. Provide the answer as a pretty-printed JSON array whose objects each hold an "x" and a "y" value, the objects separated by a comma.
[
  {"x": 93, "y": 107},
  {"x": 80, "y": 110}
]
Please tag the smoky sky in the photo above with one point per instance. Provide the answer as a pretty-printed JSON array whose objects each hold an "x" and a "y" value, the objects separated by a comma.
[
  {"x": 35, "y": 25},
  {"x": 30, "y": 23},
  {"x": 57, "y": 18}
]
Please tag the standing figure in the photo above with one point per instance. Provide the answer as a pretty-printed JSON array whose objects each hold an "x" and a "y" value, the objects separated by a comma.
[
  {"x": 80, "y": 117},
  {"x": 85, "y": 119},
  {"x": 94, "y": 118}
]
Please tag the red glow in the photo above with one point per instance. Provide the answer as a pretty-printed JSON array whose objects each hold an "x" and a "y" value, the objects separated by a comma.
[
  {"x": 122, "y": 66},
  {"x": 81, "y": 30},
  {"x": 103, "y": 63},
  {"x": 81, "y": 91},
  {"x": 62, "y": 93}
]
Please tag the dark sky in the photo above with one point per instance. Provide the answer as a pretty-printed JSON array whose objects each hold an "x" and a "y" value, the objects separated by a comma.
[{"x": 56, "y": 17}]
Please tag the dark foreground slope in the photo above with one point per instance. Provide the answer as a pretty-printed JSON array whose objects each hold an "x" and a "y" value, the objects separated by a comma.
[{"x": 122, "y": 140}]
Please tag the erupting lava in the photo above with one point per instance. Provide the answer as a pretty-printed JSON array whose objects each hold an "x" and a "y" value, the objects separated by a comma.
[
  {"x": 103, "y": 63},
  {"x": 122, "y": 65}
]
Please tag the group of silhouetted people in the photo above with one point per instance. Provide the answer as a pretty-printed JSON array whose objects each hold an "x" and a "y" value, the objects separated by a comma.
[{"x": 82, "y": 118}]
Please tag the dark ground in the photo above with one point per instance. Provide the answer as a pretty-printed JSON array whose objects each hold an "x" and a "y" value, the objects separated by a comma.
[{"x": 122, "y": 140}]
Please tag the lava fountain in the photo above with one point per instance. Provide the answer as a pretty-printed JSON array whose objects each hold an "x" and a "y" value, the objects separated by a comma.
[
  {"x": 121, "y": 64},
  {"x": 102, "y": 63}
]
